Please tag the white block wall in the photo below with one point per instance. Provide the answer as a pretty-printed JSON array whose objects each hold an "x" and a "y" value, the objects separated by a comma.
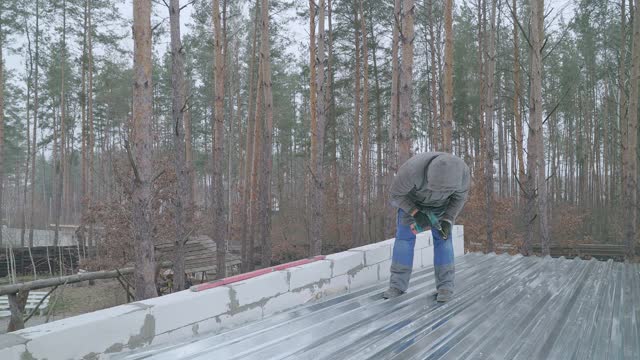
[{"x": 184, "y": 314}]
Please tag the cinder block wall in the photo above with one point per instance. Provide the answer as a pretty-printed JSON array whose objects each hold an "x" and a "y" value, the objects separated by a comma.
[{"x": 181, "y": 315}]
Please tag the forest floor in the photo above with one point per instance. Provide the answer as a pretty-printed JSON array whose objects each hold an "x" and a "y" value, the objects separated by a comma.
[{"x": 75, "y": 300}]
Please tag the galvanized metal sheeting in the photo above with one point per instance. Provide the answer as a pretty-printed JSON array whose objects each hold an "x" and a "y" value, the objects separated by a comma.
[{"x": 505, "y": 307}]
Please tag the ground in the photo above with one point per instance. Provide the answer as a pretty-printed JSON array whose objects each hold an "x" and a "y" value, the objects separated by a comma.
[{"x": 78, "y": 299}]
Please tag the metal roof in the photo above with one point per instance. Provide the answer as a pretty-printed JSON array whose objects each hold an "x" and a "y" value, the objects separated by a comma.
[{"x": 505, "y": 307}]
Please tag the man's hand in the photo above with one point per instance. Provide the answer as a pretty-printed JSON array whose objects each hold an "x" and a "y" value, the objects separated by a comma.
[{"x": 446, "y": 228}]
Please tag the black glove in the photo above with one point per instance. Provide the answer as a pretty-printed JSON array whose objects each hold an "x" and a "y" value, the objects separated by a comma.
[
  {"x": 422, "y": 220},
  {"x": 445, "y": 225}
]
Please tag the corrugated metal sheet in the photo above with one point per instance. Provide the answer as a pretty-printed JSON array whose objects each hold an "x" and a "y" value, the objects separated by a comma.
[{"x": 505, "y": 307}]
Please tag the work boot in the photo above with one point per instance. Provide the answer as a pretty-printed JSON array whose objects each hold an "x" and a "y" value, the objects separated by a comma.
[
  {"x": 392, "y": 293},
  {"x": 444, "y": 295}
]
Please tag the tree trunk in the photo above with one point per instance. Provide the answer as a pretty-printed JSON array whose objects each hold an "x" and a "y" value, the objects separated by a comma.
[
  {"x": 188, "y": 139},
  {"x": 365, "y": 174},
  {"x": 34, "y": 144},
  {"x": 254, "y": 216},
  {"x": 631, "y": 220},
  {"x": 249, "y": 153},
  {"x": 91, "y": 145},
  {"x": 145, "y": 264},
  {"x": 84, "y": 136},
  {"x": 519, "y": 138},
  {"x": 315, "y": 245},
  {"x": 1, "y": 129},
  {"x": 447, "y": 120},
  {"x": 182, "y": 201},
  {"x": 535, "y": 116},
  {"x": 622, "y": 94},
  {"x": 332, "y": 124},
  {"x": 392, "y": 149},
  {"x": 317, "y": 136},
  {"x": 27, "y": 162},
  {"x": 219, "y": 218},
  {"x": 435, "y": 133},
  {"x": 60, "y": 163},
  {"x": 356, "y": 212},
  {"x": 380, "y": 201},
  {"x": 406, "y": 82},
  {"x": 479, "y": 160},
  {"x": 265, "y": 59},
  {"x": 488, "y": 126}
]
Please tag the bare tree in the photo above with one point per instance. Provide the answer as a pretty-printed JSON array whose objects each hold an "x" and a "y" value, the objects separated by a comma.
[
  {"x": 366, "y": 172},
  {"x": 535, "y": 119},
  {"x": 141, "y": 159},
  {"x": 436, "y": 139},
  {"x": 1, "y": 127},
  {"x": 84, "y": 131},
  {"x": 60, "y": 164},
  {"x": 631, "y": 186},
  {"x": 91, "y": 133},
  {"x": 392, "y": 150},
  {"x": 488, "y": 126},
  {"x": 254, "y": 215},
  {"x": 265, "y": 179},
  {"x": 34, "y": 144},
  {"x": 317, "y": 135},
  {"x": 406, "y": 81},
  {"x": 219, "y": 218},
  {"x": 516, "y": 96},
  {"x": 447, "y": 119},
  {"x": 182, "y": 201},
  {"x": 356, "y": 212},
  {"x": 249, "y": 152}
]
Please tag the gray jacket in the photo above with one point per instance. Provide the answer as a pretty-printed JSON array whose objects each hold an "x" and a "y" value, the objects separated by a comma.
[{"x": 441, "y": 188}]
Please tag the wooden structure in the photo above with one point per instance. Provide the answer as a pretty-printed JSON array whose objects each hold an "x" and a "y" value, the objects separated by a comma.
[
  {"x": 200, "y": 256},
  {"x": 586, "y": 251},
  {"x": 37, "y": 301},
  {"x": 45, "y": 259}
]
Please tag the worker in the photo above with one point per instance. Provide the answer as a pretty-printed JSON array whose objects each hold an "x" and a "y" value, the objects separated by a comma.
[{"x": 429, "y": 190}]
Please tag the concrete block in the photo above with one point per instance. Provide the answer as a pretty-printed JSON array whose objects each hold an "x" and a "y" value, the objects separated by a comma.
[
  {"x": 388, "y": 242},
  {"x": 259, "y": 288},
  {"x": 423, "y": 240},
  {"x": 346, "y": 261},
  {"x": 365, "y": 277},
  {"x": 233, "y": 320},
  {"x": 180, "y": 309},
  {"x": 13, "y": 352},
  {"x": 290, "y": 300},
  {"x": 309, "y": 274},
  {"x": 336, "y": 285},
  {"x": 384, "y": 270},
  {"x": 122, "y": 327},
  {"x": 184, "y": 332},
  {"x": 417, "y": 258},
  {"x": 209, "y": 326},
  {"x": 427, "y": 256},
  {"x": 374, "y": 253},
  {"x": 458, "y": 244}
]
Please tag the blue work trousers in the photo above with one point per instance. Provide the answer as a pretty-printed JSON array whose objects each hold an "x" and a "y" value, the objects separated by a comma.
[{"x": 403, "y": 249}]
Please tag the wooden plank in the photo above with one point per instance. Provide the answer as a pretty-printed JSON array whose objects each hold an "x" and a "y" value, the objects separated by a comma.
[{"x": 46, "y": 283}]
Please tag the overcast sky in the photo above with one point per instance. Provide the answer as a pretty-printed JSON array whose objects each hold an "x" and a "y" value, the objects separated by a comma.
[{"x": 297, "y": 28}]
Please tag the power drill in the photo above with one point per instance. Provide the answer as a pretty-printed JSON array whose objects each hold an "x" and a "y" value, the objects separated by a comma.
[{"x": 435, "y": 223}]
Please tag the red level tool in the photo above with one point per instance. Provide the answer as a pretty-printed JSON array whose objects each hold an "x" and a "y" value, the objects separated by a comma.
[{"x": 252, "y": 274}]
